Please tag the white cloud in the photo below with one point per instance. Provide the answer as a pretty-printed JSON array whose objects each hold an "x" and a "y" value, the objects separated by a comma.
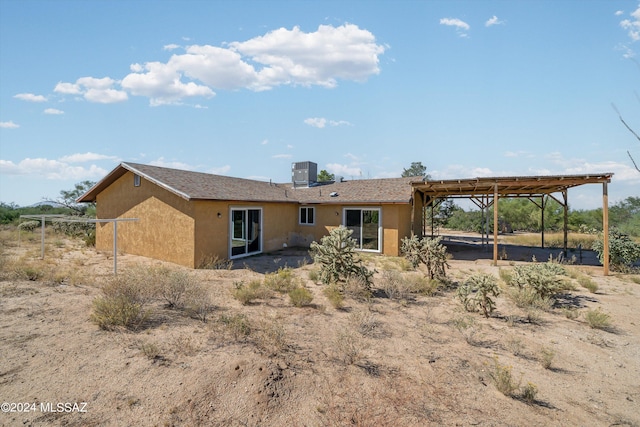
[
  {"x": 175, "y": 165},
  {"x": 493, "y": 21},
  {"x": 519, "y": 153},
  {"x": 30, "y": 97},
  {"x": 344, "y": 170},
  {"x": 93, "y": 89},
  {"x": 293, "y": 57},
  {"x": 9, "y": 125},
  {"x": 280, "y": 57},
  {"x": 85, "y": 157},
  {"x": 51, "y": 169},
  {"x": 67, "y": 88},
  {"x": 481, "y": 172},
  {"x": 282, "y": 156},
  {"x": 161, "y": 83},
  {"x": 264, "y": 142},
  {"x": 618, "y": 13},
  {"x": 318, "y": 122},
  {"x": 321, "y": 122},
  {"x": 339, "y": 123},
  {"x": 53, "y": 111},
  {"x": 632, "y": 25},
  {"x": 222, "y": 170},
  {"x": 460, "y": 26}
]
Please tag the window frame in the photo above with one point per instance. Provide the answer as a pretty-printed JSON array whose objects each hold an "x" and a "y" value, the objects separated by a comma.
[
  {"x": 307, "y": 209},
  {"x": 359, "y": 239}
]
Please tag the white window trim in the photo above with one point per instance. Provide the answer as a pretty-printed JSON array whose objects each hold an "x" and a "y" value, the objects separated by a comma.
[
  {"x": 230, "y": 228},
  {"x": 136, "y": 180},
  {"x": 380, "y": 229},
  {"x": 313, "y": 209}
]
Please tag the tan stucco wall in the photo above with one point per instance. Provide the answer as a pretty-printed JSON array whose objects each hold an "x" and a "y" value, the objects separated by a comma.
[
  {"x": 396, "y": 224},
  {"x": 165, "y": 229},
  {"x": 212, "y": 232}
]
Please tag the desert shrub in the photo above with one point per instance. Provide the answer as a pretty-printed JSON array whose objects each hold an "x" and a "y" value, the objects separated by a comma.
[
  {"x": 506, "y": 275},
  {"x": 541, "y": 278},
  {"x": 546, "y": 357},
  {"x": 528, "y": 298},
  {"x": 197, "y": 301},
  {"x": 29, "y": 225},
  {"x": 394, "y": 286},
  {"x": 476, "y": 292},
  {"x": 337, "y": 257},
  {"x": 272, "y": 336},
  {"x": 79, "y": 227},
  {"x": 571, "y": 313},
  {"x": 357, "y": 287},
  {"x": 314, "y": 276},
  {"x": 588, "y": 283},
  {"x": 172, "y": 286},
  {"x": 597, "y": 319},
  {"x": 300, "y": 296},
  {"x": 349, "y": 346},
  {"x": 247, "y": 293},
  {"x": 281, "y": 281},
  {"x": 150, "y": 350},
  {"x": 29, "y": 272},
  {"x": 529, "y": 393},
  {"x": 122, "y": 304},
  {"x": 428, "y": 252},
  {"x": 365, "y": 322},
  {"x": 214, "y": 262},
  {"x": 623, "y": 252},
  {"x": 503, "y": 378},
  {"x": 238, "y": 324},
  {"x": 423, "y": 285},
  {"x": 334, "y": 295}
]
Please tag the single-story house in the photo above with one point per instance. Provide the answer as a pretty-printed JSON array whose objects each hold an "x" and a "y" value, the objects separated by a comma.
[{"x": 189, "y": 217}]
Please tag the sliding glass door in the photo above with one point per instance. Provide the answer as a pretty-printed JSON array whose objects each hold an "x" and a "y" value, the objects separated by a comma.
[
  {"x": 245, "y": 232},
  {"x": 367, "y": 230}
]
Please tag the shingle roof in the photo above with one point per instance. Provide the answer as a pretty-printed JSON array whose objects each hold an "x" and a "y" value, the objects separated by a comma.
[
  {"x": 203, "y": 186},
  {"x": 389, "y": 190}
]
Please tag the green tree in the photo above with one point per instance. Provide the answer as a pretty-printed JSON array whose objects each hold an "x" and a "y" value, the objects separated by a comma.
[
  {"x": 416, "y": 169},
  {"x": 325, "y": 176},
  {"x": 68, "y": 198}
]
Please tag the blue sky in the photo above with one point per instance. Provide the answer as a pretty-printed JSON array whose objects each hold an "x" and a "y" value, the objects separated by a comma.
[{"x": 362, "y": 88}]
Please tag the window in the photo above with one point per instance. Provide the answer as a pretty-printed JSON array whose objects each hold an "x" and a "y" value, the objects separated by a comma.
[
  {"x": 367, "y": 230},
  {"x": 136, "y": 180},
  {"x": 307, "y": 215}
]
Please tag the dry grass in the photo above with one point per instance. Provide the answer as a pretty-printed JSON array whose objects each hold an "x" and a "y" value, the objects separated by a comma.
[{"x": 552, "y": 240}]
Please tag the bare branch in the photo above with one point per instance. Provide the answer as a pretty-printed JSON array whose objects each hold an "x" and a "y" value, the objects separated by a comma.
[{"x": 633, "y": 161}]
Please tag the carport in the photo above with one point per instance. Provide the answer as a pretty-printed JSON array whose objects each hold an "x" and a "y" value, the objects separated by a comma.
[{"x": 485, "y": 192}]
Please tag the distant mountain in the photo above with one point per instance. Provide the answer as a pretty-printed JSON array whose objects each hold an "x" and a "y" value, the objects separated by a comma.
[{"x": 45, "y": 203}]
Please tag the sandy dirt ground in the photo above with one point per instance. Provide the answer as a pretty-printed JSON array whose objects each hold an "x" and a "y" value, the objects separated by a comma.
[{"x": 416, "y": 362}]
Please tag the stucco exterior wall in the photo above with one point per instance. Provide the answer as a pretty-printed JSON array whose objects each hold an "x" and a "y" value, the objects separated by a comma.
[
  {"x": 213, "y": 226},
  {"x": 396, "y": 224},
  {"x": 165, "y": 229}
]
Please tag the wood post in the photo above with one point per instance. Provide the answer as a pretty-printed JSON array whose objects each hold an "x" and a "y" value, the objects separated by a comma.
[
  {"x": 566, "y": 221},
  {"x": 495, "y": 224},
  {"x": 605, "y": 228}
]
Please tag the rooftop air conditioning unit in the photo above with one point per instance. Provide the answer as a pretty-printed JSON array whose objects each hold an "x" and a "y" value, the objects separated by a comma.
[{"x": 304, "y": 174}]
